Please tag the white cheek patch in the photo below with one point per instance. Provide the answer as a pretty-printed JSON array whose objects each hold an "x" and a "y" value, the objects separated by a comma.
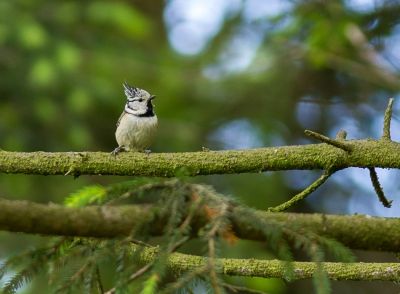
[{"x": 132, "y": 106}]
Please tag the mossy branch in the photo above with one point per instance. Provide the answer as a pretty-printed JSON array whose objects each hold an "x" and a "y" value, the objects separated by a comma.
[
  {"x": 367, "y": 233},
  {"x": 386, "y": 121},
  {"x": 364, "y": 153},
  {"x": 276, "y": 269},
  {"x": 334, "y": 142},
  {"x": 378, "y": 189}
]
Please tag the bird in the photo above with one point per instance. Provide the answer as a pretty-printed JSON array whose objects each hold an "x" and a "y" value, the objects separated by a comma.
[{"x": 137, "y": 125}]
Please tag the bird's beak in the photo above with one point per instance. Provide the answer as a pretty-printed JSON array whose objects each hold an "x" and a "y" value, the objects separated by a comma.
[{"x": 152, "y": 97}]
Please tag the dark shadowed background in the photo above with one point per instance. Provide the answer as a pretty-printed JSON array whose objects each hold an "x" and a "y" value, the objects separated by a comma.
[{"x": 228, "y": 74}]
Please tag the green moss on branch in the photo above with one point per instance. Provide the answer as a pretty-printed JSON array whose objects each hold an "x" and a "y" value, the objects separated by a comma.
[
  {"x": 368, "y": 233},
  {"x": 365, "y": 153},
  {"x": 276, "y": 268}
]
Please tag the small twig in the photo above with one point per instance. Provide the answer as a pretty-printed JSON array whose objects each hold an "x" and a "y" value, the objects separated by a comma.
[
  {"x": 386, "y": 121},
  {"x": 144, "y": 269},
  {"x": 98, "y": 280},
  {"x": 333, "y": 142},
  {"x": 176, "y": 275},
  {"x": 304, "y": 193},
  {"x": 143, "y": 188},
  {"x": 180, "y": 283},
  {"x": 140, "y": 272},
  {"x": 134, "y": 276},
  {"x": 68, "y": 172},
  {"x": 236, "y": 289},
  {"x": 378, "y": 189},
  {"x": 211, "y": 262},
  {"x": 179, "y": 243},
  {"x": 341, "y": 135},
  {"x": 219, "y": 218},
  {"x": 138, "y": 242},
  {"x": 193, "y": 209}
]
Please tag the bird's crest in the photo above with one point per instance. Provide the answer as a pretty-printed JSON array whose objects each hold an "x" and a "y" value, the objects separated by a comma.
[{"x": 132, "y": 92}]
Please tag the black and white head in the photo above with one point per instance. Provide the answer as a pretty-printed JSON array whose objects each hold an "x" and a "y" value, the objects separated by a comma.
[{"x": 139, "y": 101}]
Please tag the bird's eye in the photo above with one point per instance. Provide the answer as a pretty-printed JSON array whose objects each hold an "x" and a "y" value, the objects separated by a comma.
[{"x": 140, "y": 100}]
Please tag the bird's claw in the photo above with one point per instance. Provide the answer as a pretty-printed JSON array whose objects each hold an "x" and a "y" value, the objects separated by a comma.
[{"x": 116, "y": 151}]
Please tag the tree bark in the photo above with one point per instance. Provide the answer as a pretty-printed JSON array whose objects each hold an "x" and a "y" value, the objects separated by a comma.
[
  {"x": 364, "y": 153},
  {"x": 356, "y": 232}
]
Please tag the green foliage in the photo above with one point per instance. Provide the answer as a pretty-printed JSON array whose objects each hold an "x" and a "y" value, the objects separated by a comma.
[
  {"x": 97, "y": 194},
  {"x": 179, "y": 203},
  {"x": 150, "y": 285},
  {"x": 121, "y": 17},
  {"x": 85, "y": 196},
  {"x": 36, "y": 259}
]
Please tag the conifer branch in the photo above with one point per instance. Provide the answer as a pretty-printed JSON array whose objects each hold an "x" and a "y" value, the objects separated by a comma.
[
  {"x": 368, "y": 233},
  {"x": 314, "y": 186},
  {"x": 98, "y": 280},
  {"x": 184, "y": 279},
  {"x": 236, "y": 289},
  {"x": 378, "y": 189},
  {"x": 38, "y": 259},
  {"x": 134, "y": 276},
  {"x": 386, "y": 121},
  {"x": 89, "y": 264}
]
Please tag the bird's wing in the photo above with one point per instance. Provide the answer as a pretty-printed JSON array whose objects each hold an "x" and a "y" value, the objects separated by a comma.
[{"x": 122, "y": 115}]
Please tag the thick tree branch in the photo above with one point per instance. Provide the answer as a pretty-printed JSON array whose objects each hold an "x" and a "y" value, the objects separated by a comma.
[
  {"x": 364, "y": 153},
  {"x": 368, "y": 233},
  {"x": 276, "y": 269}
]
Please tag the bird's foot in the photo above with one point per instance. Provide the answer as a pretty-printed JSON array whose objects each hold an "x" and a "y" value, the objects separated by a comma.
[
  {"x": 117, "y": 150},
  {"x": 147, "y": 151}
]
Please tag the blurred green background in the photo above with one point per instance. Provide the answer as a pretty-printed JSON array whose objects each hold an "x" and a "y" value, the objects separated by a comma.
[{"x": 228, "y": 74}]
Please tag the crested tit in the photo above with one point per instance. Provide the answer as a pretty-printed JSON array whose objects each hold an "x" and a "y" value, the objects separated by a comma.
[{"x": 137, "y": 125}]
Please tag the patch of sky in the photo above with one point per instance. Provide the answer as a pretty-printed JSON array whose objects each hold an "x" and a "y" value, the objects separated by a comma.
[
  {"x": 242, "y": 134},
  {"x": 238, "y": 54},
  {"x": 361, "y": 5},
  {"x": 364, "y": 200},
  {"x": 254, "y": 10},
  {"x": 192, "y": 23},
  {"x": 391, "y": 51},
  {"x": 308, "y": 115}
]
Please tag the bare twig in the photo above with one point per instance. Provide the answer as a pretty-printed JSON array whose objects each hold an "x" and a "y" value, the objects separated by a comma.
[
  {"x": 138, "y": 242},
  {"x": 386, "y": 121},
  {"x": 180, "y": 283},
  {"x": 378, "y": 189},
  {"x": 134, "y": 276},
  {"x": 211, "y": 261},
  {"x": 333, "y": 142},
  {"x": 341, "y": 135},
  {"x": 314, "y": 186}
]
